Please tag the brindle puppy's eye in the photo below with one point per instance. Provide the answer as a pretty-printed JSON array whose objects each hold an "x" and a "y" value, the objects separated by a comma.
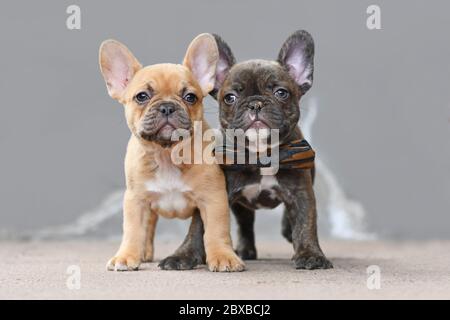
[
  {"x": 142, "y": 97},
  {"x": 190, "y": 98},
  {"x": 281, "y": 94},
  {"x": 230, "y": 99}
]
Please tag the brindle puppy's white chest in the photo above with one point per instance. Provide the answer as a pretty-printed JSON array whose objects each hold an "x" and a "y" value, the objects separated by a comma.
[
  {"x": 169, "y": 188},
  {"x": 267, "y": 184}
]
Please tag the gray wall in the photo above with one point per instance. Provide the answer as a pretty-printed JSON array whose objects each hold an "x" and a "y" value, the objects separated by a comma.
[{"x": 382, "y": 97}]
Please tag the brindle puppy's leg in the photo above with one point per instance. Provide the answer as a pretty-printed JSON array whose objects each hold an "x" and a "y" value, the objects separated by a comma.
[
  {"x": 245, "y": 219},
  {"x": 300, "y": 205},
  {"x": 191, "y": 252},
  {"x": 286, "y": 229}
]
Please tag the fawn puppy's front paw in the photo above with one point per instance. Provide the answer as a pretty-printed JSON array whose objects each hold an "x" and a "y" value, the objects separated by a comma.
[
  {"x": 224, "y": 260},
  {"x": 123, "y": 263},
  {"x": 148, "y": 255}
]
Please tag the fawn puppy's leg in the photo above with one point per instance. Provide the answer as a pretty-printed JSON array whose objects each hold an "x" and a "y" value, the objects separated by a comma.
[
  {"x": 136, "y": 213},
  {"x": 151, "y": 227},
  {"x": 216, "y": 219}
]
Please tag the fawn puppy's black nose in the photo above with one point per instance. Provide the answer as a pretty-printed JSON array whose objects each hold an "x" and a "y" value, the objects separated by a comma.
[{"x": 167, "y": 109}]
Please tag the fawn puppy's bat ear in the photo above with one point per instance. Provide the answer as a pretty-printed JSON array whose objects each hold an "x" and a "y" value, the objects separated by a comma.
[
  {"x": 226, "y": 61},
  {"x": 201, "y": 58},
  {"x": 297, "y": 55},
  {"x": 118, "y": 66}
]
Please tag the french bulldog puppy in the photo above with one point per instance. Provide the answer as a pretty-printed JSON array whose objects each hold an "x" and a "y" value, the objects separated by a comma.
[
  {"x": 158, "y": 100},
  {"x": 263, "y": 94}
]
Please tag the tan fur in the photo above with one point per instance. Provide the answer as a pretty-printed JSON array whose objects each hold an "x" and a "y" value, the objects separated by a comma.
[{"x": 205, "y": 184}]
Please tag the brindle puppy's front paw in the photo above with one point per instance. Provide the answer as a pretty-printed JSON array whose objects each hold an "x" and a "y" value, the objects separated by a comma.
[
  {"x": 247, "y": 252},
  {"x": 224, "y": 260},
  {"x": 312, "y": 261},
  {"x": 180, "y": 262},
  {"x": 123, "y": 263}
]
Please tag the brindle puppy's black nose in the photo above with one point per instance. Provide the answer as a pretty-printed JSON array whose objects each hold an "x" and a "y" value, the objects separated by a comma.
[
  {"x": 167, "y": 109},
  {"x": 255, "y": 105}
]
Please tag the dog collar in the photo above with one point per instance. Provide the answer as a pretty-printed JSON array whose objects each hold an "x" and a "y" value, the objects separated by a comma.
[{"x": 297, "y": 154}]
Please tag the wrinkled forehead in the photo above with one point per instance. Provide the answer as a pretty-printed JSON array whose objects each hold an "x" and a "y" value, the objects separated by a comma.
[
  {"x": 163, "y": 79},
  {"x": 257, "y": 73}
]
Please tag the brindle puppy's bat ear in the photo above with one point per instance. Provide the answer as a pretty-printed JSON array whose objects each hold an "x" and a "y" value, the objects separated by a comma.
[
  {"x": 226, "y": 61},
  {"x": 297, "y": 55},
  {"x": 118, "y": 66}
]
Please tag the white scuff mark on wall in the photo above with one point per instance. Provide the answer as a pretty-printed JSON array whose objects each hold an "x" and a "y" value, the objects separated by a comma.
[
  {"x": 88, "y": 221},
  {"x": 346, "y": 217}
]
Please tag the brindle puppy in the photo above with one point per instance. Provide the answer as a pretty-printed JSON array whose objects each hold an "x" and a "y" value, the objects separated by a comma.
[{"x": 262, "y": 94}]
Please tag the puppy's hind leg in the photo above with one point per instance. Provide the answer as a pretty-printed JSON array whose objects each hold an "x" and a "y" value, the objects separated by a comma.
[
  {"x": 191, "y": 252},
  {"x": 286, "y": 229},
  {"x": 245, "y": 219}
]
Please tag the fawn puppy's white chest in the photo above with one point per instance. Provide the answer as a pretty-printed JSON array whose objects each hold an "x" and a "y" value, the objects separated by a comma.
[{"x": 169, "y": 189}]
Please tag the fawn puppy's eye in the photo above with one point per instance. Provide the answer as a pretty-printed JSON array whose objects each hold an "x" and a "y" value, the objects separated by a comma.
[
  {"x": 190, "y": 98},
  {"x": 229, "y": 99},
  {"x": 142, "y": 97},
  {"x": 281, "y": 94}
]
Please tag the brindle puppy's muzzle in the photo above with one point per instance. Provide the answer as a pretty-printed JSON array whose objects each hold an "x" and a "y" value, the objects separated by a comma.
[
  {"x": 247, "y": 112},
  {"x": 258, "y": 113}
]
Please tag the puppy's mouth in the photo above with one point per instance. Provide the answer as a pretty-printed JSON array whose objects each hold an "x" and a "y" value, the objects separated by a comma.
[
  {"x": 162, "y": 129},
  {"x": 258, "y": 124},
  {"x": 257, "y": 130},
  {"x": 163, "y": 133},
  {"x": 165, "y": 130}
]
